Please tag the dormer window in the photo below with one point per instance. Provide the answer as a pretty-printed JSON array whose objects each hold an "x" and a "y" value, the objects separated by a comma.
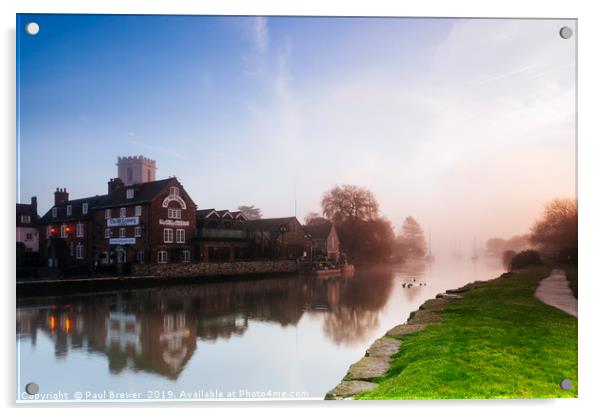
[
  {"x": 54, "y": 212},
  {"x": 25, "y": 219},
  {"x": 69, "y": 210},
  {"x": 130, "y": 193},
  {"x": 85, "y": 208},
  {"x": 174, "y": 191}
]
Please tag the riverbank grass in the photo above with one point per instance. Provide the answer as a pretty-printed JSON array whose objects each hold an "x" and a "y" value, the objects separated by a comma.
[{"x": 498, "y": 342}]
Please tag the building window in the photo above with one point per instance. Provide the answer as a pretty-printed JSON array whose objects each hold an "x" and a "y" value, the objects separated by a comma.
[
  {"x": 174, "y": 191},
  {"x": 130, "y": 175},
  {"x": 63, "y": 231},
  {"x": 29, "y": 236},
  {"x": 129, "y": 193},
  {"x": 180, "y": 236},
  {"x": 25, "y": 219},
  {"x": 138, "y": 210},
  {"x": 48, "y": 231},
  {"x": 54, "y": 212},
  {"x": 167, "y": 235},
  {"x": 174, "y": 213},
  {"x": 140, "y": 256},
  {"x": 79, "y": 251},
  {"x": 138, "y": 232},
  {"x": 162, "y": 256},
  {"x": 84, "y": 208},
  {"x": 148, "y": 175},
  {"x": 122, "y": 212},
  {"x": 80, "y": 230},
  {"x": 107, "y": 214},
  {"x": 186, "y": 256},
  {"x": 69, "y": 210},
  {"x": 122, "y": 232},
  {"x": 107, "y": 233}
]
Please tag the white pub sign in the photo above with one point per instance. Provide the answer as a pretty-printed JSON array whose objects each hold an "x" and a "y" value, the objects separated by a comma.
[
  {"x": 122, "y": 241},
  {"x": 122, "y": 221}
]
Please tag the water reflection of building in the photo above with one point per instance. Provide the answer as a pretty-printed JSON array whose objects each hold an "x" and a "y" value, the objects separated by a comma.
[{"x": 159, "y": 330}]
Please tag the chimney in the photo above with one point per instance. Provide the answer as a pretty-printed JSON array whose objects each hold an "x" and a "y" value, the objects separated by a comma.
[
  {"x": 115, "y": 184},
  {"x": 61, "y": 196},
  {"x": 34, "y": 206}
]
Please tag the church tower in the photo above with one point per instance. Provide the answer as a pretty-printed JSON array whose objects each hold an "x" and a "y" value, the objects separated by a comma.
[{"x": 136, "y": 169}]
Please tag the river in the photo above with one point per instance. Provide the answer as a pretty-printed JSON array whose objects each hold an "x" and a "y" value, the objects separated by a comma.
[{"x": 249, "y": 338}]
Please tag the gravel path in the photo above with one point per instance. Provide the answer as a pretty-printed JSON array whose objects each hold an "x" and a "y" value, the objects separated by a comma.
[{"x": 554, "y": 290}]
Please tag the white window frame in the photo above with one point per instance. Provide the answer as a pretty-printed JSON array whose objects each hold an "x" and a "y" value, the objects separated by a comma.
[
  {"x": 48, "y": 232},
  {"x": 161, "y": 256},
  {"x": 174, "y": 213},
  {"x": 25, "y": 219},
  {"x": 180, "y": 235},
  {"x": 64, "y": 231},
  {"x": 174, "y": 191},
  {"x": 28, "y": 236},
  {"x": 140, "y": 256},
  {"x": 54, "y": 212},
  {"x": 122, "y": 233},
  {"x": 79, "y": 229},
  {"x": 85, "y": 208},
  {"x": 107, "y": 213},
  {"x": 168, "y": 235},
  {"x": 79, "y": 251},
  {"x": 129, "y": 193},
  {"x": 138, "y": 210},
  {"x": 69, "y": 210},
  {"x": 122, "y": 212},
  {"x": 107, "y": 233},
  {"x": 138, "y": 232},
  {"x": 186, "y": 256}
]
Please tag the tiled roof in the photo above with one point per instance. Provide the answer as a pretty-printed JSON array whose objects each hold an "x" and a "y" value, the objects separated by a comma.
[
  {"x": 76, "y": 209},
  {"x": 26, "y": 209},
  {"x": 319, "y": 231},
  {"x": 202, "y": 213},
  {"x": 269, "y": 224},
  {"x": 143, "y": 192}
]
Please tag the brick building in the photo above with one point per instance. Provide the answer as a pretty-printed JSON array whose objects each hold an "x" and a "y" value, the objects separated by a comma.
[
  {"x": 66, "y": 230},
  {"x": 325, "y": 240},
  {"x": 27, "y": 226},
  {"x": 145, "y": 222},
  {"x": 221, "y": 235},
  {"x": 282, "y": 238}
]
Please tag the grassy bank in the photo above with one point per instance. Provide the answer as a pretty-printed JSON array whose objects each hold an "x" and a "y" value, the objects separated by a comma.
[
  {"x": 572, "y": 275},
  {"x": 498, "y": 342}
]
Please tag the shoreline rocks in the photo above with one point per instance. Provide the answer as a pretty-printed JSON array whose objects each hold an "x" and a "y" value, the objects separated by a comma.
[{"x": 377, "y": 360}]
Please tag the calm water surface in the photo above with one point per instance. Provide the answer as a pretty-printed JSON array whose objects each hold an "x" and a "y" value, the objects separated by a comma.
[{"x": 247, "y": 337}]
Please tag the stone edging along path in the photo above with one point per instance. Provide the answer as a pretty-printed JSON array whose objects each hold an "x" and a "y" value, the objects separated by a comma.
[{"x": 377, "y": 361}]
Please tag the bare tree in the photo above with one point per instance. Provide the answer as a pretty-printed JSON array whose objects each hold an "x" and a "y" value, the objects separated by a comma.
[
  {"x": 314, "y": 218},
  {"x": 345, "y": 202},
  {"x": 412, "y": 238},
  {"x": 250, "y": 211},
  {"x": 557, "y": 230}
]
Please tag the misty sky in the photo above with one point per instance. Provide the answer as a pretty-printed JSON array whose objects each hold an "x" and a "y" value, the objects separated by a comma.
[{"x": 468, "y": 125}]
